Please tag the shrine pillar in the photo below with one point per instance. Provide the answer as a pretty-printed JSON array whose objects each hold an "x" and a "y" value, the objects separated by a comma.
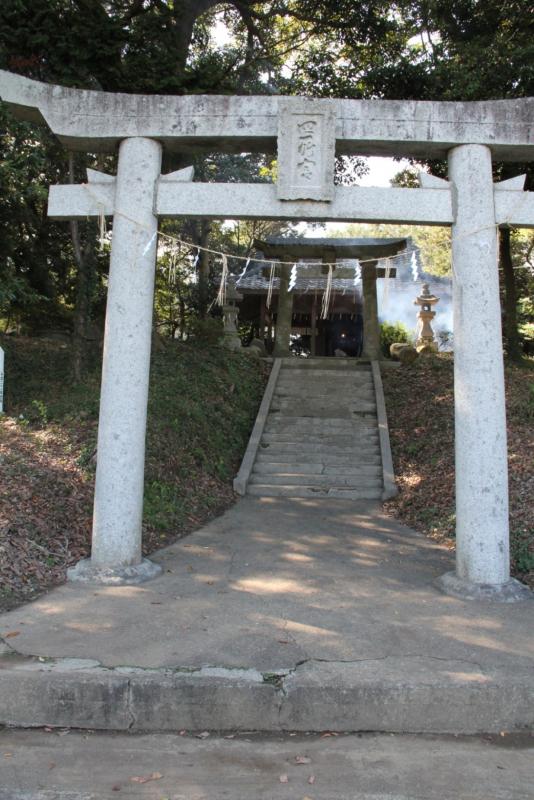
[
  {"x": 482, "y": 537},
  {"x": 371, "y": 327},
  {"x": 313, "y": 340},
  {"x": 284, "y": 314},
  {"x": 118, "y": 504}
]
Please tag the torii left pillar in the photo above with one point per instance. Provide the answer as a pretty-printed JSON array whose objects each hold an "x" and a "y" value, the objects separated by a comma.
[{"x": 118, "y": 506}]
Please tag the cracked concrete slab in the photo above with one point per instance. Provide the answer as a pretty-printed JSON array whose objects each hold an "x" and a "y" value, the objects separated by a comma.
[{"x": 281, "y": 614}]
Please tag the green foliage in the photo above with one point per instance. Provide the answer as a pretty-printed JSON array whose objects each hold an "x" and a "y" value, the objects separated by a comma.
[
  {"x": 389, "y": 334},
  {"x": 521, "y": 408},
  {"x": 433, "y": 241},
  {"x": 203, "y": 401},
  {"x": 522, "y": 551},
  {"x": 202, "y": 405},
  {"x": 39, "y": 413},
  {"x": 468, "y": 50},
  {"x": 206, "y": 331}
]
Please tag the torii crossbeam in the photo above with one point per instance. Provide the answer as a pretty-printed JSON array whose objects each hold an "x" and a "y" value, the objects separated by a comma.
[{"x": 307, "y": 133}]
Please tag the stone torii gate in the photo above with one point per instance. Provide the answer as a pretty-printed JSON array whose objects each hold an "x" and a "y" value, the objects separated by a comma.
[{"x": 307, "y": 133}]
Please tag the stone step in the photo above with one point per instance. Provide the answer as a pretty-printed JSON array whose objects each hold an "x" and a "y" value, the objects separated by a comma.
[
  {"x": 320, "y": 369},
  {"x": 342, "y": 374},
  {"x": 325, "y": 365},
  {"x": 325, "y": 400},
  {"x": 358, "y": 422},
  {"x": 355, "y": 423},
  {"x": 393, "y": 693},
  {"x": 356, "y": 439},
  {"x": 347, "y": 493},
  {"x": 325, "y": 390},
  {"x": 279, "y": 424},
  {"x": 325, "y": 384},
  {"x": 370, "y": 457},
  {"x": 282, "y": 404},
  {"x": 337, "y": 398},
  {"x": 306, "y": 468},
  {"x": 325, "y": 378},
  {"x": 322, "y": 481},
  {"x": 321, "y": 433},
  {"x": 318, "y": 454},
  {"x": 315, "y": 438},
  {"x": 353, "y": 437},
  {"x": 311, "y": 379},
  {"x": 296, "y": 434},
  {"x": 308, "y": 407},
  {"x": 361, "y": 439},
  {"x": 327, "y": 413}
]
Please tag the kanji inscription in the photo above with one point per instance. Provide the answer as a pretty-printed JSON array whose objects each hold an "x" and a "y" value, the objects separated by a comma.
[{"x": 306, "y": 151}]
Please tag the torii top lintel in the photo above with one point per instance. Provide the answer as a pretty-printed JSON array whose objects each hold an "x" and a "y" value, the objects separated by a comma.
[{"x": 98, "y": 121}]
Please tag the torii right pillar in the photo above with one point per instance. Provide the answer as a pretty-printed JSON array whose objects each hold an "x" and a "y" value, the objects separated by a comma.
[{"x": 482, "y": 532}]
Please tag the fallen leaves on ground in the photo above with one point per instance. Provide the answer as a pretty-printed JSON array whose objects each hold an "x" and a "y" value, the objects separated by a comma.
[
  {"x": 154, "y": 776},
  {"x": 420, "y": 408},
  {"x": 47, "y": 455}
]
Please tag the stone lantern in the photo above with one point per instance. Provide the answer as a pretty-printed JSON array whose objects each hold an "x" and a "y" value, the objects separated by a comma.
[
  {"x": 231, "y": 338},
  {"x": 425, "y": 341}
]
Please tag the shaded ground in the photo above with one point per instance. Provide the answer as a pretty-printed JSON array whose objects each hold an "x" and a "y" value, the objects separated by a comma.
[
  {"x": 203, "y": 403},
  {"x": 281, "y": 614},
  {"x": 58, "y": 765},
  {"x": 278, "y": 582},
  {"x": 420, "y": 406}
]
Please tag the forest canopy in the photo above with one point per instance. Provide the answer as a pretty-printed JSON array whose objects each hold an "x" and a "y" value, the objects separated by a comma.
[{"x": 54, "y": 275}]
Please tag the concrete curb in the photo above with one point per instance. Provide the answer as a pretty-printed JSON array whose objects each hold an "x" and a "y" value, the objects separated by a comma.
[
  {"x": 242, "y": 477},
  {"x": 388, "y": 473},
  {"x": 411, "y": 694}
]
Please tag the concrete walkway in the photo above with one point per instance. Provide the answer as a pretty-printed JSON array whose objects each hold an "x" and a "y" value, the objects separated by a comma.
[
  {"x": 283, "y": 614},
  {"x": 60, "y": 765}
]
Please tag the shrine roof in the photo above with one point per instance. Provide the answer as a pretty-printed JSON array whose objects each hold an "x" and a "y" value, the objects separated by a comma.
[
  {"x": 330, "y": 248},
  {"x": 309, "y": 278}
]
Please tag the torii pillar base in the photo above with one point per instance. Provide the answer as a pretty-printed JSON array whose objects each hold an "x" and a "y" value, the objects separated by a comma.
[
  {"x": 86, "y": 571},
  {"x": 511, "y": 591}
]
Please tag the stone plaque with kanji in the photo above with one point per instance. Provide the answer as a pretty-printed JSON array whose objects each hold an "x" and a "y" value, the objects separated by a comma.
[{"x": 306, "y": 150}]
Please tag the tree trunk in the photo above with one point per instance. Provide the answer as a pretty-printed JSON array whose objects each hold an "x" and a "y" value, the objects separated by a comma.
[
  {"x": 84, "y": 257},
  {"x": 186, "y": 14},
  {"x": 511, "y": 334},
  {"x": 203, "y": 269}
]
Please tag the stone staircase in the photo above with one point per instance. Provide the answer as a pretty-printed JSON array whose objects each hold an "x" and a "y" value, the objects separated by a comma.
[{"x": 321, "y": 435}]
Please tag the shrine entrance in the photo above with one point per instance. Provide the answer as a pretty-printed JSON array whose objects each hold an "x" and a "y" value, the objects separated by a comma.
[
  {"x": 307, "y": 134},
  {"x": 324, "y": 288}
]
